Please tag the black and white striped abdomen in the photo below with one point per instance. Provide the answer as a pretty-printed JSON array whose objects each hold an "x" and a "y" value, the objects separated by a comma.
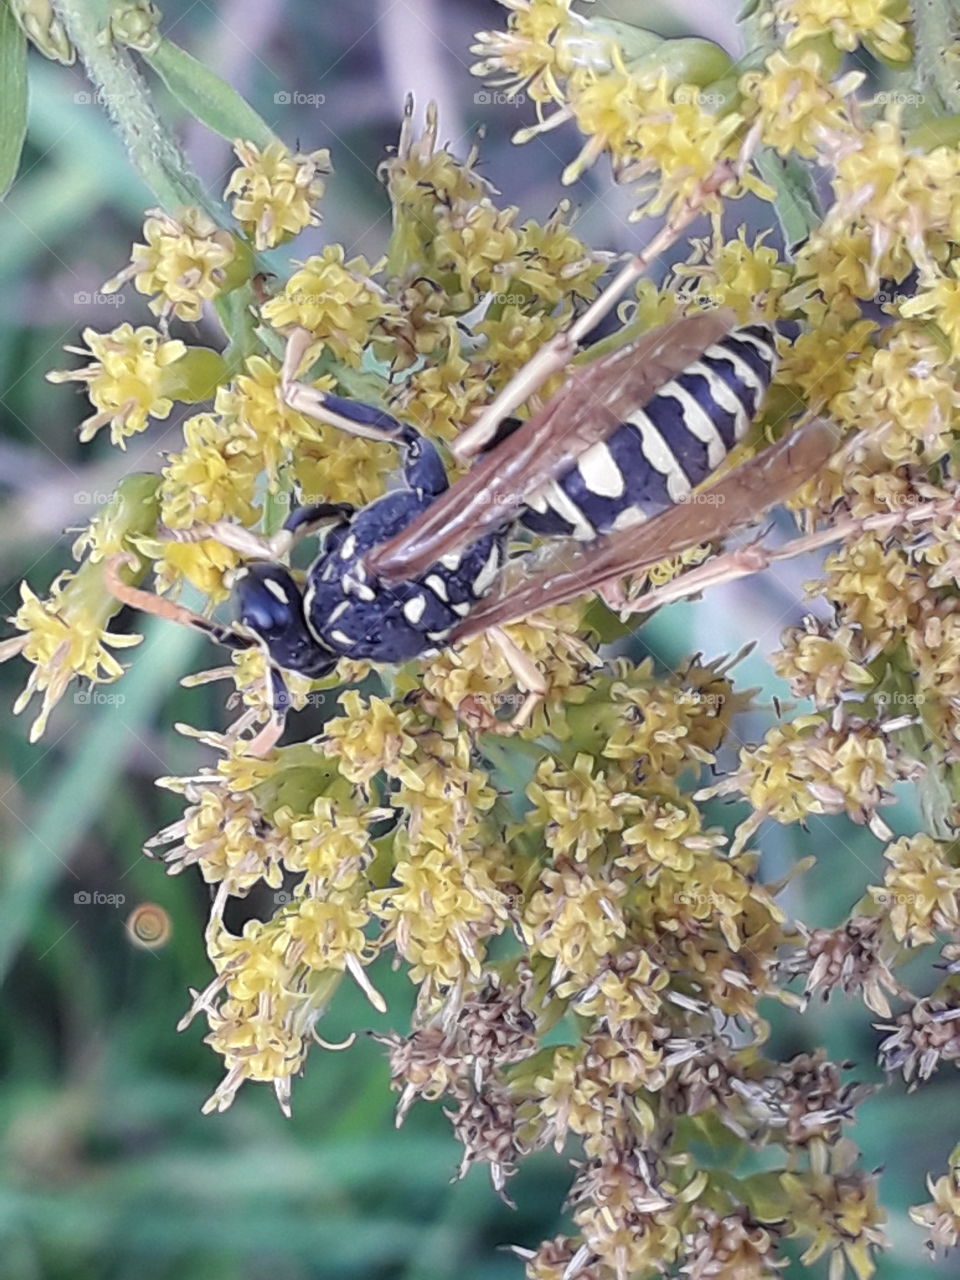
[{"x": 666, "y": 448}]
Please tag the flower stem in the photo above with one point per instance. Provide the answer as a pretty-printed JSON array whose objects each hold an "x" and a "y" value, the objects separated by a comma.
[
  {"x": 153, "y": 151},
  {"x": 936, "y": 33}
]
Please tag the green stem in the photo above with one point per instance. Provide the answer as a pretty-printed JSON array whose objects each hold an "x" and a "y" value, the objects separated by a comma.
[
  {"x": 153, "y": 151},
  {"x": 935, "y": 27}
]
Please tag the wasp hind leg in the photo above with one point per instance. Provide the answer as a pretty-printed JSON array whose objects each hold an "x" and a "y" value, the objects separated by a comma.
[{"x": 527, "y": 674}]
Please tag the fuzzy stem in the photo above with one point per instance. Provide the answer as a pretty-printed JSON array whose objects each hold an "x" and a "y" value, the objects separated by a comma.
[
  {"x": 154, "y": 153},
  {"x": 935, "y": 31}
]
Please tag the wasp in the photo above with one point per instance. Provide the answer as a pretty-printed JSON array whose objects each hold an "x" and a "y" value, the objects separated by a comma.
[{"x": 603, "y": 472}]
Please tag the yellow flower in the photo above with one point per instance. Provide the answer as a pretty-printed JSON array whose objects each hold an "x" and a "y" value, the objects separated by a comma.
[
  {"x": 942, "y": 1217},
  {"x": 797, "y": 105},
  {"x": 668, "y": 833},
  {"x": 905, "y": 393},
  {"x": 575, "y": 919},
  {"x": 369, "y": 737},
  {"x": 440, "y": 911},
  {"x": 821, "y": 663},
  {"x": 921, "y": 890},
  {"x": 941, "y": 302},
  {"x": 327, "y": 933},
  {"x": 330, "y": 846},
  {"x": 543, "y": 42},
  {"x": 66, "y": 636},
  {"x": 747, "y": 277},
  {"x": 329, "y": 465},
  {"x": 683, "y": 142},
  {"x": 576, "y": 808},
  {"x": 274, "y": 190},
  {"x": 880, "y": 24},
  {"x": 808, "y": 766},
  {"x": 183, "y": 264},
  {"x": 127, "y": 379},
  {"x": 334, "y": 300},
  {"x": 212, "y": 478},
  {"x": 875, "y": 588}
]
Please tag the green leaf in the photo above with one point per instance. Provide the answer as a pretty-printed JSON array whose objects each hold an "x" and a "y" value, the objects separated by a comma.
[
  {"x": 13, "y": 95},
  {"x": 206, "y": 96},
  {"x": 797, "y": 205}
]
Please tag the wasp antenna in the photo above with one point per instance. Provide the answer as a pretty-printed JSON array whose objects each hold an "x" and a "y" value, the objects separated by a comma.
[{"x": 147, "y": 602}]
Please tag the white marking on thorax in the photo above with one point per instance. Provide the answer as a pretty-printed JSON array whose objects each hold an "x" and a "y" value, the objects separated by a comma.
[
  {"x": 414, "y": 608},
  {"x": 276, "y": 590},
  {"x": 348, "y": 546}
]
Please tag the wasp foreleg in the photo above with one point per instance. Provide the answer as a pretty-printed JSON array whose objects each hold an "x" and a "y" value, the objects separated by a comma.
[{"x": 301, "y": 523}]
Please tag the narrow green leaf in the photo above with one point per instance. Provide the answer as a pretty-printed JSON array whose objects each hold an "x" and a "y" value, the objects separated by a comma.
[
  {"x": 206, "y": 96},
  {"x": 797, "y": 205},
  {"x": 13, "y": 95}
]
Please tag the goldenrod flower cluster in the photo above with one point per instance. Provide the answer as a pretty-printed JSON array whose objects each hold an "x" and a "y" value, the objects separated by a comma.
[{"x": 590, "y": 951}]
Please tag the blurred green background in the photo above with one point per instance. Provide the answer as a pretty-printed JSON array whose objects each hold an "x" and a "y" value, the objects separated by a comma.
[{"x": 108, "y": 1169}]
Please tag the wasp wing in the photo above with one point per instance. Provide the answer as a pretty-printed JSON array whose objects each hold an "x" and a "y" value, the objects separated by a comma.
[
  {"x": 739, "y": 497},
  {"x": 591, "y": 404}
]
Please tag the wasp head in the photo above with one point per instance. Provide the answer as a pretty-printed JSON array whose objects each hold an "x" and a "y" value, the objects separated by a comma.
[{"x": 270, "y": 604}]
